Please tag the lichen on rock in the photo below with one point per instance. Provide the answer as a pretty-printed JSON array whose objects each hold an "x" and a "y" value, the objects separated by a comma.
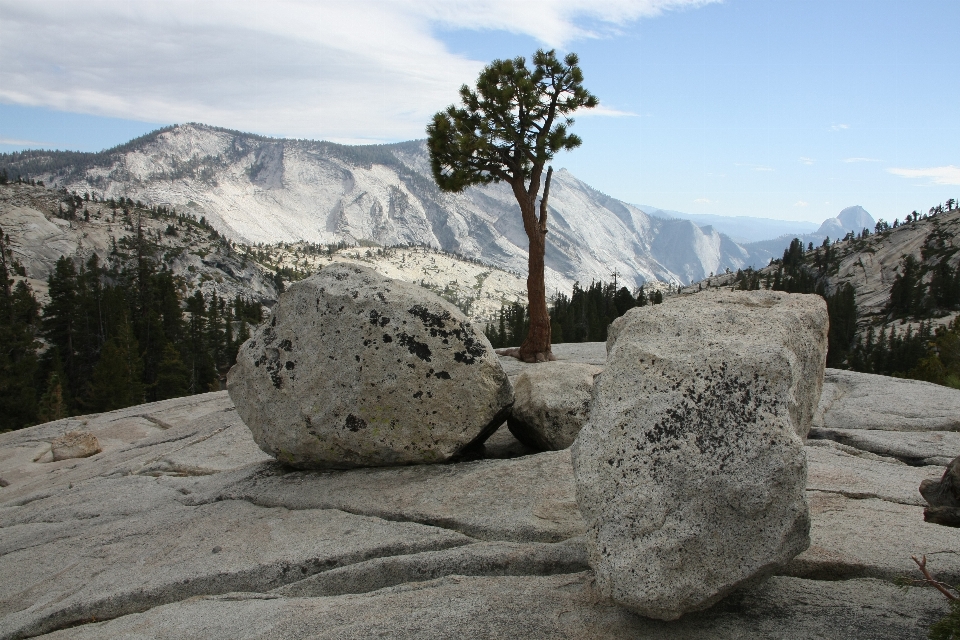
[{"x": 355, "y": 369}]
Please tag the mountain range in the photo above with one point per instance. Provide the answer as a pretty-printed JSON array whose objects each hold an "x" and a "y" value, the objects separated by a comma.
[{"x": 256, "y": 190}]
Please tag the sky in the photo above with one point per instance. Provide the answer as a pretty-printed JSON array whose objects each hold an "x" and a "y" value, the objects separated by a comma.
[{"x": 787, "y": 109}]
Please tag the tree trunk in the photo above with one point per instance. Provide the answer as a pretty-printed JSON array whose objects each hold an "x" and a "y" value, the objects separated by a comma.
[{"x": 536, "y": 347}]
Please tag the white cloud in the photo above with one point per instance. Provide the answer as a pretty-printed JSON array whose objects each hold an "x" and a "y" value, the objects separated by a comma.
[
  {"x": 347, "y": 70},
  {"x": 603, "y": 111},
  {"x": 937, "y": 175},
  {"x": 806, "y": 161},
  {"x": 839, "y": 127},
  {"x": 703, "y": 201},
  {"x": 860, "y": 160},
  {"x": 26, "y": 143},
  {"x": 801, "y": 203},
  {"x": 762, "y": 169}
]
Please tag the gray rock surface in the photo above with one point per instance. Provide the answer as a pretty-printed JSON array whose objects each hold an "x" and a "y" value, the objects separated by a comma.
[
  {"x": 552, "y": 401},
  {"x": 132, "y": 439},
  {"x": 857, "y": 474},
  {"x": 74, "y": 444},
  {"x": 913, "y": 447},
  {"x": 481, "y": 559},
  {"x": 46, "y": 240},
  {"x": 852, "y": 400},
  {"x": 691, "y": 471},
  {"x": 355, "y": 369},
  {"x": 131, "y": 560},
  {"x": 874, "y": 538},
  {"x": 594, "y": 353},
  {"x": 182, "y": 509},
  {"x": 527, "y": 499},
  {"x": 543, "y": 607}
]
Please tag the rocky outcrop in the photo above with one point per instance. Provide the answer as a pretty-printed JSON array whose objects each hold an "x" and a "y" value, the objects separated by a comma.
[
  {"x": 551, "y": 404},
  {"x": 919, "y": 448},
  {"x": 533, "y": 608},
  {"x": 355, "y": 369},
  {"x": 852, "y": 400},
  {"x": 183, "y": 527},
  {"x": 690, "y": 470},
  {"x": 74, "y": 444}
]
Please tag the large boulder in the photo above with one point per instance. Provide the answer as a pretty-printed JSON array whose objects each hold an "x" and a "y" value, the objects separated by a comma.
[
  {"x": 552, "y": 403},
  {"x": 691, "y": 469},
  {"x": 355, "y": 369}
]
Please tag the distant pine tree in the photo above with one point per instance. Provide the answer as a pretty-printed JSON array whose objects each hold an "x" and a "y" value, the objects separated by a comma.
[
  {"x": 118, "y": 377},
  {"x": 53, "y": 405},
  {"x": 173, "y": 377}
]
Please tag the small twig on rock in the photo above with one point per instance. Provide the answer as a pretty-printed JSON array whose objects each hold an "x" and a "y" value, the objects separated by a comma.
[{"x": 929, "y": 579}]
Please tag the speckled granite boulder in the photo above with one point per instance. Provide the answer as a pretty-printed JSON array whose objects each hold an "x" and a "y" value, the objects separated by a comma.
[
  {"x": 75, "y": 444},
  {"x": 356, "y": 369},
  {"x": 691, "y": 470},
  {"x": 552, "y": 403}
]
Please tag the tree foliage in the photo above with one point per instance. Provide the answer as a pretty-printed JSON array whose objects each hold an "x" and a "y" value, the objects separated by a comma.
[
  {"x": 511, "y": 126},
  {"x": 583, "y": 316},
  {"x": 114, "y": 333},
  {"x": 507, "y": 129}
]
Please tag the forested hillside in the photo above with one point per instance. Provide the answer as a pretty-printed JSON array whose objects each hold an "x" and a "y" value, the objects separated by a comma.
[
  {"x": 893, "y": 293},
  {"x": 116, "y": 329},
  {"x": 107, "y": 302}
]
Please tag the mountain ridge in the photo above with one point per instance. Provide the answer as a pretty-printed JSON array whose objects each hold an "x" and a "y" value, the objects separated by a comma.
[{"x": 254, "y": 189}]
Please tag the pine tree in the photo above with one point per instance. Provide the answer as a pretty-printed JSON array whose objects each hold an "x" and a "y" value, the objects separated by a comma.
[
  {"x": 907, "y": 291},
  {"x": 118, "y": 377},
  {"x": 53, "y": 405},
  {"x": 60, "y": 317},
  {"x": 18, "y": 349},
  {"x": 507, "y": 130},
  {"x": 203, "y": 374},
  {"x": 173, "y": 377},
  {"x": 216, "y": 336}
]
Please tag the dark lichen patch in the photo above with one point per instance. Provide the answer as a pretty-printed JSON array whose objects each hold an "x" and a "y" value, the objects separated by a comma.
[
  {"x": 430, "y": 319},
  {"x": 443, "y": 375},
  {"x": 715, "y": 411},
  {"x": 286, "y": 345},
  {"x": 377, "y": 319},
  {"x": 275, "y": 376},
  {"x": 437, "y": 323},
  {"x": 290, "y": 365},
  {"x": 354, "y": 424},
  {"x": 418, "y": 394},
  {"x": 419, "y": 349},
  {"x": 387, "y": 337}
]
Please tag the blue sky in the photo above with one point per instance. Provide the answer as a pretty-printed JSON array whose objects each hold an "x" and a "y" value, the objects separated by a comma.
[{"x": 791, "y": 109}]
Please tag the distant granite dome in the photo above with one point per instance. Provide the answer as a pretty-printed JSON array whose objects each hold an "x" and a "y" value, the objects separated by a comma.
[
  {"x": 853, "y": 219},
  {"x": 856, "y": 219}
]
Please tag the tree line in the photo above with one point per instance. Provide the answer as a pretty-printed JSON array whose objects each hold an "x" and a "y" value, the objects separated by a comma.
[
  {"x": 584, "y": 316},
  {"x": 114, "y": 333}
]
